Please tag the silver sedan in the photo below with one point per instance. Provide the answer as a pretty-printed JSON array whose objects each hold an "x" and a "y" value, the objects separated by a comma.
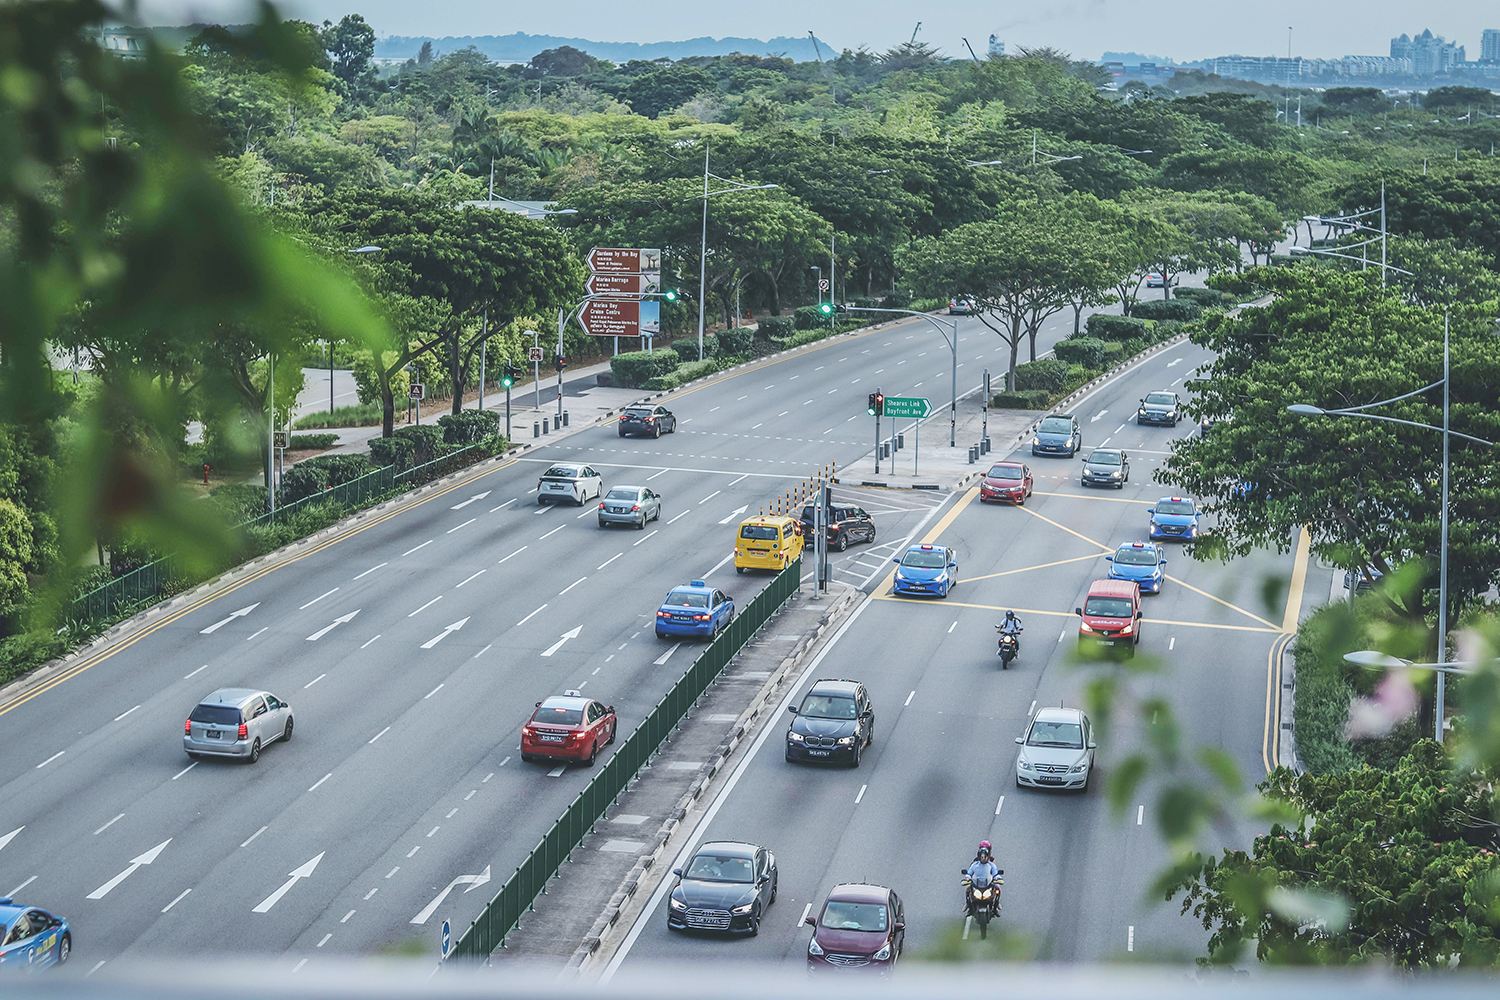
[{"x": 629, "y": 505}]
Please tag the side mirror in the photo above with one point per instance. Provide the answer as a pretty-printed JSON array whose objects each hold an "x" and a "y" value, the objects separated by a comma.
[
  {"x": 609, "y": 710},
  {"x": 1163, "y": 562},
  {"x": 792, "y": 709},
  {"x": 811, "y": 920},
  {"x": 1078, "y": 612},
  {"x": 900, "y": 926},
  {"x": 1092, "y": 745},
  {"x": 1019, "y": 740},
  {"x": 953, "y": 565},
  {"x": 895, "y": 559},
  {"x": 538, "y": 704},
  {"x": 677, "y": 872},
  {"x": 1139, "y": 615},
  {"x": 1109, "y": 558},
  {"x": 1150, "y": 510}
]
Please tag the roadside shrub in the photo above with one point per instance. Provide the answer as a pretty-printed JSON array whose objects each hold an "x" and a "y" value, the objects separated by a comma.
[
  {"x": 409, "y": 447},
  {"x": 1165, "y": 330},
  {"x": 898, "y": 298},
  {"x": 808, "y": 317},
  {"x": 394, "y": 451},
  {"x": 866, "y": 302},
  {"x": 359, "y": 415},
  {"x": 1048, "y": 374},
  {"x": 468, "y": 426},
  {"x": 312, "y": 442},
  {"x": 1086, "y": 351},
  {"x": 928, "y": 305},
  {"x": 1208, "y": 298},
  {"x": 683, "y": 374},
  {"x": 1116, "y": 352},
  {"x": 1178, "y": 309},
  {"x": 771, "y": 327},
  {"x": 1237, "y": 287},
  {"x": 1106, "y": 327},
  {"x": 301, "y": 481},
  {"x": 240, "y": 502},
  {"x": 633, "y": 369},
  {"x": 733, "y": 342},
  {"x": 1022, "y": 399}
]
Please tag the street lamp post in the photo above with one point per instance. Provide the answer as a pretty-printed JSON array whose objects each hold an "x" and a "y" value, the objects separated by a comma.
[
  {"x": 1353, "y": 222},
  {"x": 703, "y": 247},
  {"x": 952, "y": 347},
  {"x": 1304, "y": 409}
]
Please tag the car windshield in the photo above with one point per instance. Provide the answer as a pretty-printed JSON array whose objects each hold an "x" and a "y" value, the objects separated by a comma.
[
  {"x": 714, "y": 868},
  {"x": 1161, "y": 398},
  {"x": 853, "y": 916},
  {"x": 219, "y": 715},
  {"x": 1132, "y": 556},
  {"x": 1174, "y": 507},
  {"x": 763, "y": 532},
  {"x": 1056, "y": 734},
  {"x": 827, "y": 706},
  {"x": 558, "y": 715},
  {"x": 624, "y": 493},
  {"x": 562, "y": 472},
  {"x": 1107, "y": 607},
  {"x": 687, "y": 599},
  {"x": 1005, "y": 472},
  {"x": 1105, "y": 458},
  {"x": 1056, "y": 425},
  {"x": 923, "y": 559},
  {"x": 807, "y": 513}
]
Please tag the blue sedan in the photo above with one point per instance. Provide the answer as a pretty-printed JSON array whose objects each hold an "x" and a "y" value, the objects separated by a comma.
[
  {"x": 926, "y": 569},
  {"x": 32, "y": 938},
  {"x": 694, "y": 610},
  {"x": 1140, "y": 562},
  {"x": 1174, "y": 518}
]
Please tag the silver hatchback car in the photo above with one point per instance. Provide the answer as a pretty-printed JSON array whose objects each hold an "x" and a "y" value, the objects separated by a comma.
[
  {"x": 629, "y": 505},
  {"x": 236, "y": 722}
]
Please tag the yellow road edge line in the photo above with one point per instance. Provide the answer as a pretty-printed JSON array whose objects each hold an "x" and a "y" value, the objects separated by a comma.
[
  {"x": 1028, "y": 569},
  {"x": 104, "y": 654},
  {"x": 1067, "y": 614},
  {"x": 1087, "y": 496},
  {"x": 1232, "y": 607},
  {"x": 1299, "y": 582}
]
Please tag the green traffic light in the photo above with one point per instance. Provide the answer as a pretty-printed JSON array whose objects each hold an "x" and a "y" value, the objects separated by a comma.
[
  {"x": 670, "y": 295},
  {"x": 506, "y": 382},
  {"x": 826, "y": 308}
]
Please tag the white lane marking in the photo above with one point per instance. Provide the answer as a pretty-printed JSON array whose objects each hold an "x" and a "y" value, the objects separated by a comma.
[
  {"x": 340, "y": 620},
  {"x": 663, "y": 472},
  {"x": 597, "y": 669},
  {"x": 480, "y": 573},
  {"x": 434, "y": 691},
  {"x": 346, "y": 917},
  {"x": 125, "y": 713},
  {"x": 257, "y": 833},
  {"x": 196, "y": 672},
  {"x": 715, "y": 408},
  {"x": 313, "y": 681},
  {"x": 325, "y": 940},
  {"x": 663, "y": 658},
  {"x": 135, "y": 863},
  {"x": 709, "y": 497},
  {"x": 425, "y": 606},
  {"x": 487, "y": 777},
  {"x": 445, "y": 633},
  {"x": 422, "y": 546},
  {"x": 819, "y": 368},
  {"x": 464, "y": 525},
  {"x": 805, "y": 911},
  {"x": 968, "y": 922},
  {"x": 758, "y": 426},
  {"x": 174, "y": 902},
  {"x": 544, "y": 508},
  {"x": 97, "y": 966},
  {"x": 295, "y": 968},
  {"x": 679, "y": 517},
  {"x": 861, "y": 794},
  {"x": 952, "y": 627},
  {"x": 50, "y": 759},
  {"x": 371, "y": 570},
  {"x": 471, "y": 794},
  {"x": 242, "y": 612},
  {"x": 372, "y": 640},
  {"x": 609, "y": 560},
  {"x": 374, "y": 738},
  {"x": 747, "y": 475},
  {"x": 909, "y": 698},
  {"x": 249, "y": 637},
  {"x": 1140, "y": 815},
  {"x": 1098, "y": 416},
  {"x": 111, "y": 823},
  {"x": 638, "y": 541},
  {"x": 571, "y": 585},
  {"x": 556, "y": 772},
  {"x": 372, "y": 892},
  {"x": 1171, "y": 642},
  {"x": 747, "y": 397},
  {"x": 505, "y": 504},
  {"x": 624, "y": 644},
  {"x": 432, "y": 831},
  {"x": 783, "y": 413},
  {"x": 1030, "y": 711},
  {"x": 515, "y": 553},
  {"x": 320, "y": 781},
  {"x": 590, "y": 509},
  {"x": 572, "y": 633},
  {"x": 1174, "y": 362},
  {"x": 1130, "y": 939},
  {"x": 390, "y": 873},
  {"x": 552, "y": 532},
  {"x": 806, "y": 402},
  {"x": 1176, "y": 381},
  {"x": 1062, "y": 635},
  {"x": 1119, "y": 428},
  {"x": 999, "y": 804},
  {"x": 315, "y": 600},
  {"x": 17, "y": 891}
]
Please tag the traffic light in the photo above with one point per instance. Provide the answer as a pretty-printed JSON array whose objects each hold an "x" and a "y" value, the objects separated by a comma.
[
  {"x": 670, "y": 294},
  {"x": 508, "y": 374},
  {"x": 826, "y": 308},
  {"x": 877, "y": 403},
  {"x": 561, "y": 361}
]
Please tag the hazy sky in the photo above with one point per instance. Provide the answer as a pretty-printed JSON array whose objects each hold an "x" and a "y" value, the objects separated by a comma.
[{"x": 1086, "y": 28}]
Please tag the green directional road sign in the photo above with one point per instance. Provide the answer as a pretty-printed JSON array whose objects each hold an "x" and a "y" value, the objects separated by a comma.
[{"x": 907, "y": 406}]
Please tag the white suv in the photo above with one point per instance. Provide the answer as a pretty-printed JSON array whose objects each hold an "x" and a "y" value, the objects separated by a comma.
[{"x": 577, "y": 484}]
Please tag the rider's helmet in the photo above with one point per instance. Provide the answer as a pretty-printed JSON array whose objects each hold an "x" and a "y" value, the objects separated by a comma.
[
  {"x": 984, "y": 848},
  {"x": 1010, "y": 614}
]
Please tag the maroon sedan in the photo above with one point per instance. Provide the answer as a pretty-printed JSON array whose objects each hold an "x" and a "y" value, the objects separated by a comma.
[
  {"x": 860, "y": 926},
  {"x": 568, "y": 727},
  {"x": 1006, "y": 482}
]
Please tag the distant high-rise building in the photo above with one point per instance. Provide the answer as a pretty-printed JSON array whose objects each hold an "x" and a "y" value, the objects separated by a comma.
[
  {"x": 997, "y": 47},
  {"x": 1489, "y": 46},
  {"x": 1429, "y": 54}
]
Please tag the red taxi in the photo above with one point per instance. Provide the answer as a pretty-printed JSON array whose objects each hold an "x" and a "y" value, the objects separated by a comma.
[{"x": 568, "y": 727}]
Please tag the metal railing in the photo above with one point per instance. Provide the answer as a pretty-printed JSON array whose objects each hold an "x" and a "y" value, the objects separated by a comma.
[
  {"x": 152, "y": 580},
  {"x": 503, "y": 913}
]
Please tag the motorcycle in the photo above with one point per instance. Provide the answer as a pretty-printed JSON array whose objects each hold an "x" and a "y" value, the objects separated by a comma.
[
  {"x": 1010, "y": 647},
  {"x": 982, "y": 902}
]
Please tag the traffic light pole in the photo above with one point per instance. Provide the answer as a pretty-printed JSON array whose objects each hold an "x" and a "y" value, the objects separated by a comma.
[{"x": 952, "y": 347}]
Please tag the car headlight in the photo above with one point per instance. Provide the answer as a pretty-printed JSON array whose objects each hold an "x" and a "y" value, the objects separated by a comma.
[
  {"x": 677, "y": 904},
  {"x": 940, "y": 578},
  {"x": 900, "y": 576},
  {"x": 1080, "y": 768},
  {"x": 742, "y": 910},
  {"x": 1127, "y": 630},
  {"x": 845, "y": 740},
  {"x": 1023, "y": 763},
  {"x": 1084, "y": 627},
  {"x": 883, "y": 954},
  {"x": 1036, "y": 442},
  {"x": 812, "y": 947},
  {"x": 794, "y": 737},
  {"x": 1116, "y": 474},
  {"x": 1141, "y": 411}
]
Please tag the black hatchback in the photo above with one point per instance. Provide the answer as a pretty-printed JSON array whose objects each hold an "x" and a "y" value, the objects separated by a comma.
[
  {"x": 652, "y": 421},
  {"x": 836, "y": 721}
]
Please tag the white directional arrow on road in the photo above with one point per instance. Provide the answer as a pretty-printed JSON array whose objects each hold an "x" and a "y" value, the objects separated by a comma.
[
  {"x": 445, "y": 633},
  {"x": 571, "y": 634},
  {"x": 1173, "y": 362},
  {"x": 242, "y": 612},
  {"x": 734, "y": 514},
  {"x": 304, "y": 872},
  {"x": 1098, "y": 416},
  {"x": 341, "y": 620},
  {"x": 144, "y": 859},
  {"x": 10, "y": 836},
  {"x": 472, "y": 881},
  {"x": 478, "y": 496}
]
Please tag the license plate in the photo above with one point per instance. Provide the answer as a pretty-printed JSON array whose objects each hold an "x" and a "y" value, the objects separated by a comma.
[
  {"x": 557, "y": 486},
  {"x": 1050, "y": 781},
  {"x": 551, "y": 739},
  {"x": 681, "y": 618},
  {"x": 212, "y": 734},
  {"x": 712, "y": 925},
  {"x": 818, "y": 753}
]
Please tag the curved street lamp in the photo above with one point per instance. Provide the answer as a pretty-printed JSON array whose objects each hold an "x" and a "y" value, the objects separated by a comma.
[{"x": 735, "y": 186}]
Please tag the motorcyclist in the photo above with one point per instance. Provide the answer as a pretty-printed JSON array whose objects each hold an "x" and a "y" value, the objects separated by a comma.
[
  {"x": 982, "y": 873},
  {"x": 1011, "y": 625}
]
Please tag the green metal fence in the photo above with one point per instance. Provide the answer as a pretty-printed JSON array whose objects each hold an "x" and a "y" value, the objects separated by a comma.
[
  {"x": 503, "y": 913},
  {"x": 155, "y": 578}
]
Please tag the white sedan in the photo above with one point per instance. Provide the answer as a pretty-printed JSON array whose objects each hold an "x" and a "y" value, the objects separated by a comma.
[{"x": 577, "y": 484}]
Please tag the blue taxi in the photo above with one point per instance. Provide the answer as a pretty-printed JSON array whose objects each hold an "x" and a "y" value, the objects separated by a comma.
[
  {"x": 694, "y": 610},
  {"x": 1141, "y": 562},
  {"x": 31, "y": 938},
  {"x": 926, "y": 569},
  {"x": 1174, "y": 518}
]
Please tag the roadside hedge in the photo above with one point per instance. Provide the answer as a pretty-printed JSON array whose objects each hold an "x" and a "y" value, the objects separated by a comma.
[
  {"x": 1021, "y": 399},
  {"x": 808, "y": 317},
  {"x": 1085, "y": 351},
  {"x": 410, "y": 446},
  {"x": 312, "y": 442},
  {"x": 1106, "y": 327},
  {"x": 771, "y": 327},
  {"x": 1177, "y": 309},
  {"x": 734, "y": 342},
  {"x": 1048, "y": 374},
  {"x": 684, "y": 373},
  {"x": 632, "y": 369},
  {"x": 1208, "y": 298},
  {"x": 468, "y": 426}
]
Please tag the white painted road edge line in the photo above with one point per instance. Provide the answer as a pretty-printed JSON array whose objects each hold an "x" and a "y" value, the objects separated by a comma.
[
  {"x": 691, "y": 836},
  {"x": 125, "y": 713},
  {"x": 320, "y": 781}
]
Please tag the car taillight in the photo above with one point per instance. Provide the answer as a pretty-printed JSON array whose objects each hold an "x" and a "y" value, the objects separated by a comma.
[
  {"x": 601, "y": 506},
  {"x": 663, "y": 614},
  {"x": 187, "y": 728},
  {"x": 834, "y": 526},
  {"x": 649, "y": 419},
  {"x": 622, "y": 416},
  {"x": 632, "y": 510},
  {"x": 580, "y": 734},
  {"x": 700, "y": 618},
  {"x": 244, "y": 732}
]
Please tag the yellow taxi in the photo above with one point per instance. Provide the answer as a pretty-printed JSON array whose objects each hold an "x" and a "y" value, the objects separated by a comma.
[{"x": 769, "y": 541}]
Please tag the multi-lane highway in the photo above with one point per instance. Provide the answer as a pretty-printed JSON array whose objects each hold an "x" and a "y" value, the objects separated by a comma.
[
  {"x": 940, "y": 776},
  {"x": 411, "y": 648}
]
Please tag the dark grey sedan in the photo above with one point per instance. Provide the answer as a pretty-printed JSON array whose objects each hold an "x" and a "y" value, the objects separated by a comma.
[
  {"x": 652, "y": 421},
  {"x": 727, "y": 887},
  {"x": 1106, "y": 467},
  {"x": 629, "y": 505}
]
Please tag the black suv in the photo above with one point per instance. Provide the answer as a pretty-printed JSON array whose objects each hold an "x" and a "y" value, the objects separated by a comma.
[
  {"x": 653, "y": 421},
  {"x": 835, "y": 722},
  {"x": 846, "y": 523}
]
